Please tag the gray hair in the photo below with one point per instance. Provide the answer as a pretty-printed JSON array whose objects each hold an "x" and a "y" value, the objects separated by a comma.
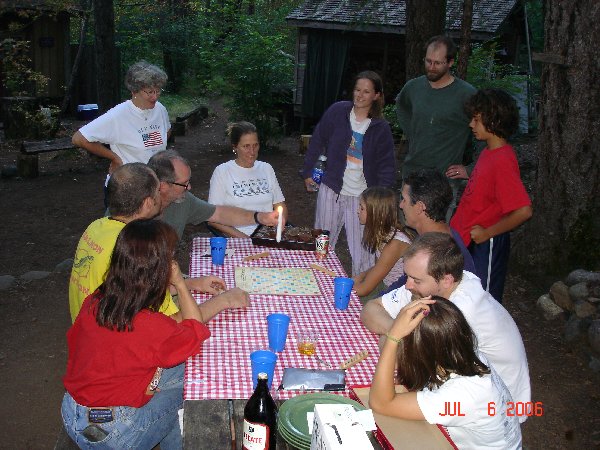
[
  {"x": 142, "y": 75},
  {"x": 128, "y": 187},
  {"x": 162, "y": 164}
]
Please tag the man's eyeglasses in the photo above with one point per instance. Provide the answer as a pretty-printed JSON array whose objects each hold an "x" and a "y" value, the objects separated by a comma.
[
  {"x": 429, "y": 62},
  {"x": 186, "y": 185},
  {"x": 150, "y": 92}
]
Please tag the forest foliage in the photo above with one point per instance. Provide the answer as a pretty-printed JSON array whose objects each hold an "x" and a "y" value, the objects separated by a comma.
[{"x": 242, "y": 50}]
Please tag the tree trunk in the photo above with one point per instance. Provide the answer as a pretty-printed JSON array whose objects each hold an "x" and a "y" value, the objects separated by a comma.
[
  {"x": 424, "y": 19},
  {"x": 465, "y": 39},
  {"x": 75, "y": 68},
  {"x": 564, "y": 232},
  {"x": 107, "y": 70}
]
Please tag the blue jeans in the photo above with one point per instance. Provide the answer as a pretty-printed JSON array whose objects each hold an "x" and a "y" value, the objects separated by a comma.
[{"x": 136, "y": 428}]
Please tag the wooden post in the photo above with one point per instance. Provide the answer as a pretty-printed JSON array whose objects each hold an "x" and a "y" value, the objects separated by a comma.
[
  {"x": 304, "y": 141},
  {"x": 27, "y": 165}
]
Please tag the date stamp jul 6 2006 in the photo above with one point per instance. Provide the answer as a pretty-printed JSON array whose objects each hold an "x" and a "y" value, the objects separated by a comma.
[{"x": 518, "y": 409}]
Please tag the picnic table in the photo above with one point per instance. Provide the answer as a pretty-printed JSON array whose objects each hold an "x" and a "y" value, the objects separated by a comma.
[{"x": 218, "y": 381}]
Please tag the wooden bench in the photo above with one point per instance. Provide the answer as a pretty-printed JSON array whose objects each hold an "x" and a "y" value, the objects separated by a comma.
[
  {"x": 27, "y": 162},
  {"x": 189, "y": 119}
]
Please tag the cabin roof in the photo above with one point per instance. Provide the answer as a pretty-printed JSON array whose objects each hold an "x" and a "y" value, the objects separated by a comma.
[{"x": 389, "y": 16}]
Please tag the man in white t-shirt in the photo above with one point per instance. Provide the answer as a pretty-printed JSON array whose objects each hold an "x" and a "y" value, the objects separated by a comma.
[{"x": 434, "y": 266}]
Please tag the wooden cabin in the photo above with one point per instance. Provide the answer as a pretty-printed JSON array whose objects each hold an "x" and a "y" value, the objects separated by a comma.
[
  {"x": 339, "y": 38},
  {"x": 47, "y": 30}
]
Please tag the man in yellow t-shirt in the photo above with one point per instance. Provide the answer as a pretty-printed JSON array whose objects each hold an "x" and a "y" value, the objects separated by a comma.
[{"x": 134, "y": 193}]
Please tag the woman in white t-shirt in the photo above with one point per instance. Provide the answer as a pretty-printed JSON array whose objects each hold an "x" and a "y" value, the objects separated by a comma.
[
  {"x": 245, "y": 182},
  {"x": 135, "y": 129},
  {"x": 449, "y": 384}
]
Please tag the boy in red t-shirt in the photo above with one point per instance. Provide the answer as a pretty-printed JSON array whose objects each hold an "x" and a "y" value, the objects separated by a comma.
[{"x": 495, "y": 201}]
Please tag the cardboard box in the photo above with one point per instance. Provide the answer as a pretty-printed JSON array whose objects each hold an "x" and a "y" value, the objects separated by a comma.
[
  {"x": 336, "y": 427},
  {"x": 406, "y": 434}
]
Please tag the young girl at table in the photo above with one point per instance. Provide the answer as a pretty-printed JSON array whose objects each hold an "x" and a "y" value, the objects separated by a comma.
[
  {"x": 433, "y": 348},
  {"x": 383, "y": 235},
  {"x": 124, "y": 377}
]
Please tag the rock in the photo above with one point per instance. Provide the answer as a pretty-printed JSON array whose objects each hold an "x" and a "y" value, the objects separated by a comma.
[
  {"x": 34, "y": 275},
  {"x": 594, "y": 335},
  {"x": 595, "y": 364},
  {"x": 584, "y": 309},
  {"x": 559, "y": 293},
  {"x": 580, "y": 276},
  {"x": 64, "y": 266},
  {"x": 524, "y": 307},
  {"x": 579, "y": 292},
  {"x": 548, "y": 308},
  {"x": 6, "y": 281},
  {"x": 593, "y": 300},
  {"x": 576, "y": 329}
]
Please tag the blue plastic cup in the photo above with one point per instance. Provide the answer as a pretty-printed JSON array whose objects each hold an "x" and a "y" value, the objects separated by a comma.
[
  {"x": 342, "y": 287},
  {"x": 263, "y": 361},
  {"x": 217, "y": 250},
  {"x": 277, "y": 326}
]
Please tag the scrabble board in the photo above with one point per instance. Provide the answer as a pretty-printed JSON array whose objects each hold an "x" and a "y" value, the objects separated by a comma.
[{"x": 276, "y": 281}]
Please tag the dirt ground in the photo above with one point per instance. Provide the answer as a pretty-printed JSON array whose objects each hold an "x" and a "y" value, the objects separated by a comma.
[{"x": 44, "y": 218}]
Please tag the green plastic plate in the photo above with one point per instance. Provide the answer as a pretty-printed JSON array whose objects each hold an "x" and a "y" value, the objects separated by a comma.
[{"x": 292, "y": 414}]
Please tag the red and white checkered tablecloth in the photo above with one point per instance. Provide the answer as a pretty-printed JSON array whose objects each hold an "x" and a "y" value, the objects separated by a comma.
[{"x": 222, "y": 369}]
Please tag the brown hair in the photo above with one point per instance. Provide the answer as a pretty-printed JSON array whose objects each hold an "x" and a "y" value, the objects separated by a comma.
[
  {"x": 447, "y": 42},
  {"x": 382, "y": 223},
  {"x": 236, "y": 130},
  {"x": 445, "y": 256},
  {"x": 498, "y": 109},
  {"x": 128, "y": 187},
  {"x": 441, "y": 344},
  {"x": 138, "y": 275},
  {"x": 376, "y": 111}
]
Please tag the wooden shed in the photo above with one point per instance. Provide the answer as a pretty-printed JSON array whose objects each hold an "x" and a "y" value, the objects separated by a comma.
[
  {"x": 46, "y": 28},
  {"x": 339, "y": 38}
]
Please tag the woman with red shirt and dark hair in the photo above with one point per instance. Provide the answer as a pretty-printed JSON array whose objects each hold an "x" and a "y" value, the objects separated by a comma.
[{"x": 124, "y": 377}]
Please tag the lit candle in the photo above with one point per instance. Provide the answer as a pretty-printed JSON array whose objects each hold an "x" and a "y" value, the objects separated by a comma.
[{"x": 279, "y": 223}]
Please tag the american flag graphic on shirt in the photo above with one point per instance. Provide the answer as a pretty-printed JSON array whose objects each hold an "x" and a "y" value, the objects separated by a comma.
[{"x": 151, "y": 139}]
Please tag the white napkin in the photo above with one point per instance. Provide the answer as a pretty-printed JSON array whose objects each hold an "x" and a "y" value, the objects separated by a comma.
[{"x": 228, "y": 252}]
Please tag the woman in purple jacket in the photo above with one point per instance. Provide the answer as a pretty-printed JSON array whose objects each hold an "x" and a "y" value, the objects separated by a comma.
[{"x": 359, "y": 147}]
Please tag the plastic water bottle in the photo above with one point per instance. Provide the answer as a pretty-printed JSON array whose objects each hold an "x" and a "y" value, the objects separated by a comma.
[{"x": 318, "y": 172}]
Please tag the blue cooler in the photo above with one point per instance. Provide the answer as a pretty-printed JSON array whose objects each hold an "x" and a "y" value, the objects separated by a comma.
[{"x": 87, "y": 112}]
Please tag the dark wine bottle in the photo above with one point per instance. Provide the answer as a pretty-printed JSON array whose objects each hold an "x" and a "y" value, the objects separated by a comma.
[{"x": 260, "y": 418}]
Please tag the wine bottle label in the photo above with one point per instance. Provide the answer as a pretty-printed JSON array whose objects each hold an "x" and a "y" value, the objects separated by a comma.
[{"x": 256, "y": 436}]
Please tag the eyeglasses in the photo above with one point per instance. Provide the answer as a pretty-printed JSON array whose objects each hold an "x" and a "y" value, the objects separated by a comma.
[
  {"x": 429, "y": 62},
  {"x": 186, "y": 185},
  {"x": 150, "y": 92}
]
